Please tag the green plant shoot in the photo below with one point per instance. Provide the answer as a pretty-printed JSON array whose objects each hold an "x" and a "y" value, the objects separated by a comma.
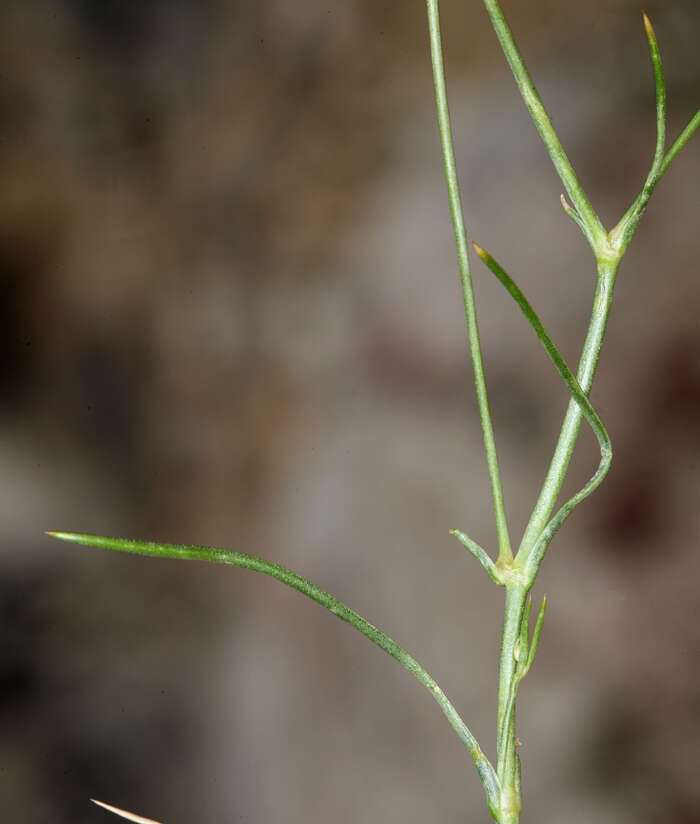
[{"x": 515, "y": 572}]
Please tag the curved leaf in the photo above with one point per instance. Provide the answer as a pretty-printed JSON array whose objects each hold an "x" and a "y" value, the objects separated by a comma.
[
  {"x": 325, "y": 599},
  {"x": 535, "y": 555}
]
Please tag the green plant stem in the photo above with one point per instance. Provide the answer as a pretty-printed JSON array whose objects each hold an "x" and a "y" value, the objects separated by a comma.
[
  {"x": 507, "y": 765},
  {"x": 325, "y": 599},
  {"x": 515, "y": 660},
  {"x": 518, "y": 574},
  {"x": 505, "y": 552},
  {"x": 516, "y": 599},
  {"x": 607, "y": 271},
  {"x": 596, "y": 234}
]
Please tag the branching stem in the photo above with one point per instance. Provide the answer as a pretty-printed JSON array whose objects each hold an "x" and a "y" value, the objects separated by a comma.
[{"x": 518, "y": 574}]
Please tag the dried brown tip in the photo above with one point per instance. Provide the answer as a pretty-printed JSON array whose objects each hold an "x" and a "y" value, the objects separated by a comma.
[
  {"x": 564, "y": 204},
  {"x": 137, "y": 819},
  {"x": 648, "y": 26},
  {"x": 483, "y": 254}
]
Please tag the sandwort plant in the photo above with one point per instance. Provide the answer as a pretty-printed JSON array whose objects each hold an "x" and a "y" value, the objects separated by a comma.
[{"x": 515, "y": 572}]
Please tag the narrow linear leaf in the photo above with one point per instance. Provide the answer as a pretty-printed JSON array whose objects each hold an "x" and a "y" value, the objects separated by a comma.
[
  {"x": 535, "y": 638},
  {"x": 660, "y": 84},
  {"x": 325, "y": 599},
  {"x": 572, "y": 384},
  {"x": 522, "y": 643},
  {"x": 507, "y": 726},
  {"x": 139, "y": 819},
  {"x": 596, "y": 233},
  {"x": 627, "y": 226},
  {"x": 480, "y": 554},
  {"x": 680, "y": 142},
  {"x": 574, "y": 215},
  {"x": 622, "y": 234}
]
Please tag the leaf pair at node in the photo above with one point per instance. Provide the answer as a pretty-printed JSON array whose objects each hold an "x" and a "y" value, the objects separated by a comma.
[{"x": 620, "y": 237}]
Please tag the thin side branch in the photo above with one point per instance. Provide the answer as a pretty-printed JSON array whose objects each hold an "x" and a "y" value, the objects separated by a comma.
[
  {"x": 596, "y": 233},
  {"x": 505, "y": 553}
]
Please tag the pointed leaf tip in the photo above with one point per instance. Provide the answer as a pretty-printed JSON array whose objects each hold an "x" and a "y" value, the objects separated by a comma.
[
  {"x": 483, "y": 254},
  {"x": 138, "y": 819},
  {"x": 647, "y": 25},
  {"x": 62, "y": 536}
]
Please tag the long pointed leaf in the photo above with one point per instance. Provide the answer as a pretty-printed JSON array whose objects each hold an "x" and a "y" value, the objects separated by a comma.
[
  {"x": 660, "y": 84},
  {"x": 572, "y": 384},
  {"x": 623, "y": 232},
  {"x": 595, "y": 231},
  {"x": 325, "y": 599}
]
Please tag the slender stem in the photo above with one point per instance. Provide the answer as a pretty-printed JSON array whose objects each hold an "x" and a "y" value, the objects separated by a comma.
[
  {"x": 544, "y": 125},
  {"x": 516, "y": 599},
  {"x": 505, "y": 553},
  {"x": 607, "y": 271}
]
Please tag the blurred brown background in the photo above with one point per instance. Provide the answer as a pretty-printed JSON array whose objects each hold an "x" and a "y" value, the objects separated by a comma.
[{"x": 230, "y": 315}]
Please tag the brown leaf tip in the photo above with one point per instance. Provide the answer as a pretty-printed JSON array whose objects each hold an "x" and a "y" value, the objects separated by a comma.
[{"x": 483, "y": 254}]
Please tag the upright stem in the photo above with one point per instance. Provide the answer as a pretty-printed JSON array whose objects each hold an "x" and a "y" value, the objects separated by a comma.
[
  {"x": 505, "y": 553},
  {"x": 507, "y": 767},
  {"x": 607, "y": 271}
]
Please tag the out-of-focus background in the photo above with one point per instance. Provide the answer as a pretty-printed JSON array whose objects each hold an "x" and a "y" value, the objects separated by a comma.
[{"x": 231, "y": 315}]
